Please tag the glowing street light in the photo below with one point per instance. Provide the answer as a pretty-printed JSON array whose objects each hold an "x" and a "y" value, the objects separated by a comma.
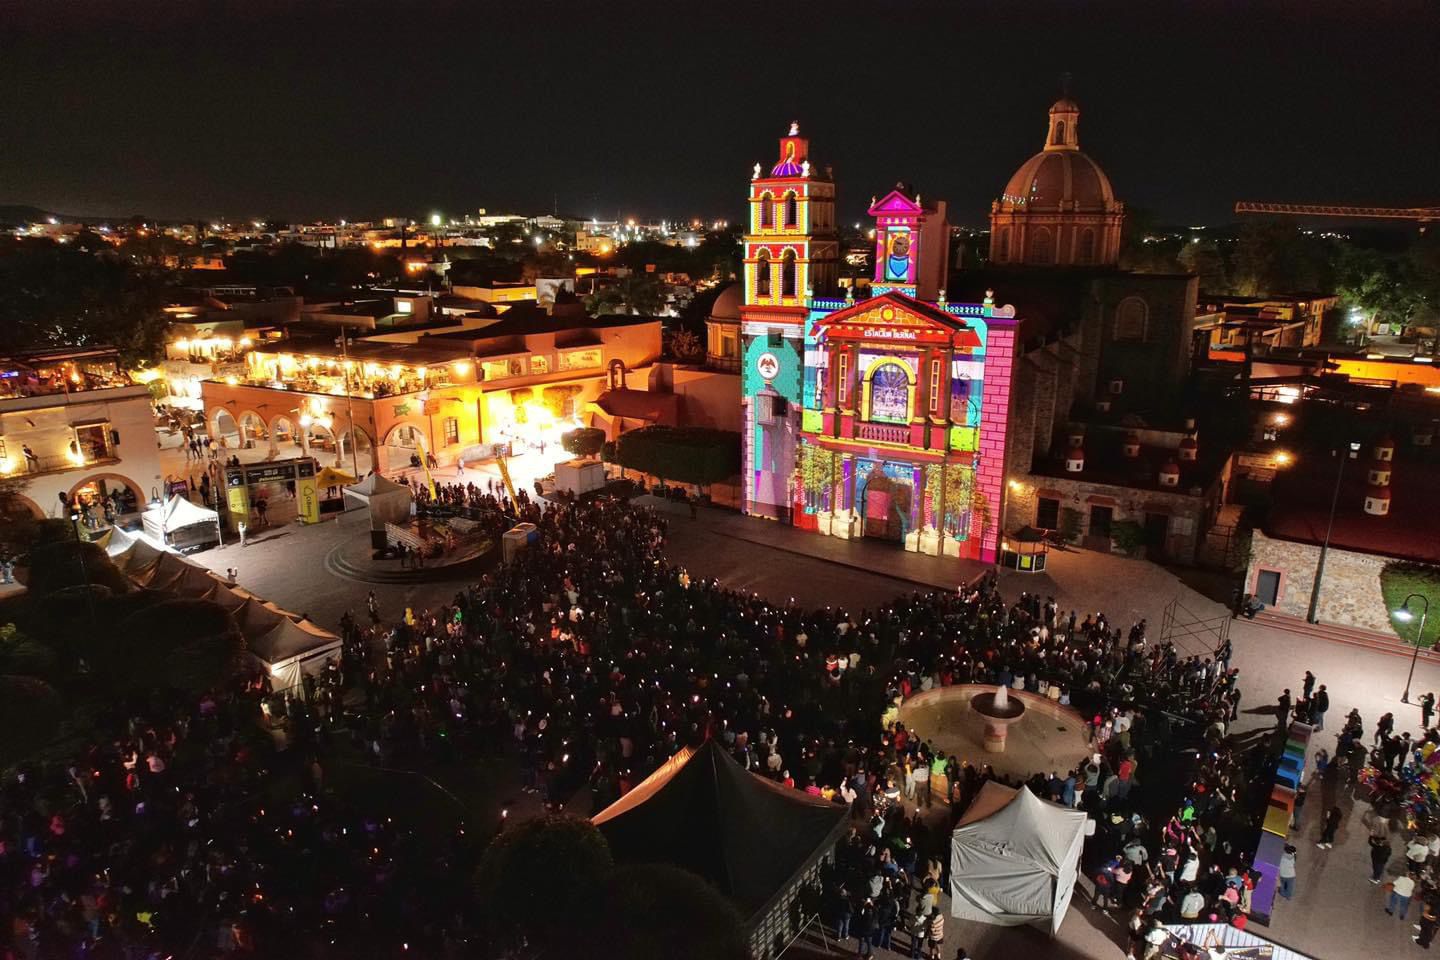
[{"x": 1405, "y": 615}]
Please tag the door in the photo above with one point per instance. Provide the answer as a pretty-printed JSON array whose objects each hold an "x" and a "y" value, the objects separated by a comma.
[
  {"x": 1267, "y": 587},
  {"x": 879, "y": 519},
  {"x": 1157, "y": 532},
  {"x": 1100, "y": 518}
]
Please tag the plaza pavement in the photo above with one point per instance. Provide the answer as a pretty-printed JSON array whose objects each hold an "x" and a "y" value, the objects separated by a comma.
[{"x": 1337, "y": 913}]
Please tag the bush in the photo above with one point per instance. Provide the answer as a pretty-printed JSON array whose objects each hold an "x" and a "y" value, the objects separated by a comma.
[
  {"x": 1069, "y": 524},
  {"x": 584, "y": 442},
  {"x": 1129, "y": 537},
  {"x": 21, "y": 655}
]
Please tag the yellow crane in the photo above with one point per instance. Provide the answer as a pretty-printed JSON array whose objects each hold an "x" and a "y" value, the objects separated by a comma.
[{"x": 1421, "y": 215}]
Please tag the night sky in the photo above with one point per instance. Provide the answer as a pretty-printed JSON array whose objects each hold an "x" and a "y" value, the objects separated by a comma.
[{"x": 322, "y": 109}]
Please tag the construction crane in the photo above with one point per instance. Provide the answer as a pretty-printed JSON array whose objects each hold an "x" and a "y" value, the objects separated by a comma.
[{"x": 1420, "y": 215}]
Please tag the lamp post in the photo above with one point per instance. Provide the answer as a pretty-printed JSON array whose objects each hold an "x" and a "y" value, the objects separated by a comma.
[
  {"x": 1312, "y": 614},
  {"x": 1405, "y": 615}
]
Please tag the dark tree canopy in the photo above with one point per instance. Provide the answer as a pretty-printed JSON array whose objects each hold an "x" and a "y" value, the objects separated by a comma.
[
  {"x": 54, "y": 295},
  {"x": 657, "y": 911}
]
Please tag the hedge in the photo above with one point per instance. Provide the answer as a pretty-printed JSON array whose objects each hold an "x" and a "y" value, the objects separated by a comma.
[
  {"x": 583, "y": 442},
  {"x": 698, "y": 455}
]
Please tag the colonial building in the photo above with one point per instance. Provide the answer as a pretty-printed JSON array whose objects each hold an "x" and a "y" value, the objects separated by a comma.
[
  {"x": 884, "y": 417},
  {"x": 77, "y": 430},
  {"x": 1058, "y": 209}
]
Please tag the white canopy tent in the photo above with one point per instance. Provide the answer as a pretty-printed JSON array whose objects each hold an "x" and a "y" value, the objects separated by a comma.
[
  {"x": 389, "y": 502},
  {"x": 1014, "y": 859},
  {"x": 180, "y": 523}
]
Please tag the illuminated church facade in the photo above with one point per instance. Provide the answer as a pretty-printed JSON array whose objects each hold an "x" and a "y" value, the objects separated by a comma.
[{"x": 884, "y": 417}]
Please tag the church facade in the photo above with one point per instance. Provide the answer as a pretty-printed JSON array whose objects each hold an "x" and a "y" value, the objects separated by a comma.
[{"x": 884, "y": 417}]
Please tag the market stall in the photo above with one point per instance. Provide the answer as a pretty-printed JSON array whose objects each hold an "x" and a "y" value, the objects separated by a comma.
[{"x": 183, "y": 525}]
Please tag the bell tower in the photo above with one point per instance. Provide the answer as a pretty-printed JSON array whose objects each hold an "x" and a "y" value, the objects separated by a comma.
[
  {"x": 790, "y": 247},
  {"x": 792, "y": 254}
]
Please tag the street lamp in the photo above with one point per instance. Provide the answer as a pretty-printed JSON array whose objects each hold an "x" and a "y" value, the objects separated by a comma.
[
  {"x": 1312, "y": 614},
  {"x": 1405, "y": 615}
]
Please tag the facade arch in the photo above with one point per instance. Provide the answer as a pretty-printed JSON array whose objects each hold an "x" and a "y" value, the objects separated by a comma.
[
  {"x": 1132, "y": 317},
  {"x": 1042, "y": 246}
]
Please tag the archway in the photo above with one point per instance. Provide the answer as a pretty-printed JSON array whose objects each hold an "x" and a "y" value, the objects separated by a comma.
[
  {"x": 362, "y": 460},
  {"x": 224, "y": 430},
  {"x": 107, "y": 495},
  {"x": 284, "y": 434},
  {"x": 404, "y": 440},
  {"x": 253, "y": 431}
]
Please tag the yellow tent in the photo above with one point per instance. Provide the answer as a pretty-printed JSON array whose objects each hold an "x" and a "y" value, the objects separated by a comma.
[{"x": 330, "y": 477}]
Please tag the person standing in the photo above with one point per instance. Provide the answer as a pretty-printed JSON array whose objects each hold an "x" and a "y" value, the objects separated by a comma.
[
  {"x": 1307, "y": 686},
  {"x": 1384, "y": 727},
  {"x": 1322, "y": 704},
  {"x": 922, "y": 781},
  {"x": 1330, "y": 824},
  {"x": 1282, "y": 709},
  {"x": 1427, "y": 924},
  {"x": 1427, "y": 710},
  {"x": 1287, "y": 872},
  {"x": 1400, "y": 891},
  {"x": 1379, "y": 856}
]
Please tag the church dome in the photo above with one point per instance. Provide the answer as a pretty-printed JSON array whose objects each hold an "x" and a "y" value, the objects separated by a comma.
[
  {"x": 1059, "y": 180},
  {"x": 726, "y": 308}
]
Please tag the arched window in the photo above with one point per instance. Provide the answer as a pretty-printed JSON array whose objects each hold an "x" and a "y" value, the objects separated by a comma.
[
  {"x": 787, "y": 274},
  {"x": 767, "y": 211},
  {"x": 1086, "y": 254},
  {"x": 792, "y": 210},
  {"x": 1131, "y": 318},
  {"x": 762, "y": 274},
  {"x": 1042, "y": 246},
  {"x": 1059, "y": 133},
  {"x": 889, "y": 393}
]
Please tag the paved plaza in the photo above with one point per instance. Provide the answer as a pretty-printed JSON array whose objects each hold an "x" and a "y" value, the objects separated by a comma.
[{"x": 1336, "y": 913}]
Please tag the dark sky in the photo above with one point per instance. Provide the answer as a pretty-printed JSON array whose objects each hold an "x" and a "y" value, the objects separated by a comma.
[{"x": 323, "y": 108}]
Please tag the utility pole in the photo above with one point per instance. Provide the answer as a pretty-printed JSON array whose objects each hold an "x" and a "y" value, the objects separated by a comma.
[
  {"x": 1312, "y": 614},
  {"x": 349, "y": 402}
]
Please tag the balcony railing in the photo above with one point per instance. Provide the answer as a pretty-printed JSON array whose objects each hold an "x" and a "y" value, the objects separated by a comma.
[
  {"x": 883, "y": 433},
  {"x": 16, "y": 464}
]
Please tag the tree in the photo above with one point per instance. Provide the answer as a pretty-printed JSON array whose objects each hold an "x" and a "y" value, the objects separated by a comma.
[
  {"x": 1129, "y": 536},
  {"x": 583, "y": 442},
  {"x": 1387, "y": 288},
  {"x": 638, "y": 294},
  {"x": 539, "y": 881},
  {"x": 30, "y": 715},
  {"x": 182, "y": 644},
  {"x": 54, "y": 295},
  {"x": 1069, "y": 524},
  {"x": 1204, "y": 259},
  {"x": 1273, "y": 258},
  {"x": 657, "y": 911}
]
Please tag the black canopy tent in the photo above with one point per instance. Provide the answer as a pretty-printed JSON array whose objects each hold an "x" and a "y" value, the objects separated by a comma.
[{"x": 755, "y": 841}]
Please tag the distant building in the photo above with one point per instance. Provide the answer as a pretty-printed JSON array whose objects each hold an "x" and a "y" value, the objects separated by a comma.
[{"x": 1236, "y": 328}]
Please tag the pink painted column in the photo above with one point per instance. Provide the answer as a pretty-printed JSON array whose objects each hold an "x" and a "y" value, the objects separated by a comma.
[{"x": 994, "y": 424}]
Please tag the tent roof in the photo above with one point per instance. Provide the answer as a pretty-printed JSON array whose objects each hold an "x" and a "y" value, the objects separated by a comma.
[
  {"x": 288, "y": 640},
  {"x": 745, "y": 835},
  {"x": 373, "y": 486},
  {"x": 1019, "y": 826},
  {"x": 177, "y": 512}
]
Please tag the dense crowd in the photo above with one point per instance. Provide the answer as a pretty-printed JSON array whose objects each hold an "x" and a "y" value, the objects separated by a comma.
[{"x": 188, "y": 830}]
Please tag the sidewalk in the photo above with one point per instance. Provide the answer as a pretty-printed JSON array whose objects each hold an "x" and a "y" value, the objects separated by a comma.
[{"x": 865, "y": 555}]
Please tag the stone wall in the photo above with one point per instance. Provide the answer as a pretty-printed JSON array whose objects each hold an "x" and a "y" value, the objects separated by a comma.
[
  {"x": 1187, "y": 513},
  {"x": 1350, "y": 595}
]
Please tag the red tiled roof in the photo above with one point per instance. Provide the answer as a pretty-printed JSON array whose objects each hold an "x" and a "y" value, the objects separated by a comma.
[
  {"x": 662, "y": 408},
  {"x": 1410, "y": 531}
]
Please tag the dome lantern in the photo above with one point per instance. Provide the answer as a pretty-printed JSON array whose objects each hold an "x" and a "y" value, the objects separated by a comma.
[
  {"x": 1131, "y": 447},
  {"x": 1075, "y": 459},
  {"x": 1189, "y": 450},
  {"x": 1377, "y": 501},
  {"x": 1170, "y": 474}
]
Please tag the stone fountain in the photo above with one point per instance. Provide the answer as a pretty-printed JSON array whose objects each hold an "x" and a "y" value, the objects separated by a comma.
[{"x": 999, "y": 712}]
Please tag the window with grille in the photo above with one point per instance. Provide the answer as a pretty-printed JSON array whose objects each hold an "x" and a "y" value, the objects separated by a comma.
[{"x": 452, "y": 431}]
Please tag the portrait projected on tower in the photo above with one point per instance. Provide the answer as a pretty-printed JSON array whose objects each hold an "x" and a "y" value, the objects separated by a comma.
[
  {"x": 890, "y": 394},
  {"x": 897, "y": 258}
]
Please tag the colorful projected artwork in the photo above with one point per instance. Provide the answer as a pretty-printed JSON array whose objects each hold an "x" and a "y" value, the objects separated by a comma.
[
  {"x": 880, "y": 415},
  {"x": 890, "y": 394},
  {"x": 897, "y": 258}
]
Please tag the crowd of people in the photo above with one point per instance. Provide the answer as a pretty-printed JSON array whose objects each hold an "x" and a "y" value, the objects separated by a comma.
[{"x": 591, "y": 660}]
